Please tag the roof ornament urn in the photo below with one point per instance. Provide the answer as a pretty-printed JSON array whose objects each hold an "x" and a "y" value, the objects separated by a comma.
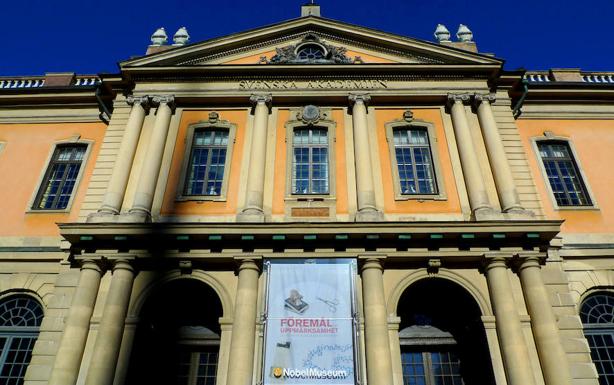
[
  {"x": 181, "y": 37},
  {"x": 159, "y": 37},
  {"x": 464, "y": 34},
  {"x": 442, "y": 33}
]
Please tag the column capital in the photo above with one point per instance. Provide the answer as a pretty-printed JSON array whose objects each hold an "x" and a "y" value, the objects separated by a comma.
[
  {"x": 143, "y": 101},
  {"x": 458, "y": 98},
  {"x": 265, "y": 99},
  {"x": 248, "y": 262},
  {"x": 492, "y": 260},
  {"x": 359, "y": 98},
  {"x": 122, "y": 264},
  {"x": 91, "y": 264},
  {"x": 169, "y": 100},
  {"x": 526, "y": 261},
  {"x": 484, "y": 98},
  {"x": 371, "y": 261}
]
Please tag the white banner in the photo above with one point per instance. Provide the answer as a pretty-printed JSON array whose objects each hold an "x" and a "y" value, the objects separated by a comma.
[{"x": 310, "y": 329}]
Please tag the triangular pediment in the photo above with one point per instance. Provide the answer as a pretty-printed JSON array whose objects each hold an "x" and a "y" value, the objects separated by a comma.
[{"x": 344, "y": 44}]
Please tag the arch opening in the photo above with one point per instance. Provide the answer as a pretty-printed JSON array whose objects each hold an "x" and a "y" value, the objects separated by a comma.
[
  {"x": 442, "y": 336},
  {"x": 178, "y": 335},
  {"x": 597, "y": 315}
]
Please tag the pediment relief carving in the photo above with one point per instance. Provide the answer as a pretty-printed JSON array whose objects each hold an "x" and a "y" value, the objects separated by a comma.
[{"x": 310, "y": 50}]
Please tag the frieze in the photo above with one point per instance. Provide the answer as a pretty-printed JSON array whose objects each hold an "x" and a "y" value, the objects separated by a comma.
[{"x": 349, "y": 84}]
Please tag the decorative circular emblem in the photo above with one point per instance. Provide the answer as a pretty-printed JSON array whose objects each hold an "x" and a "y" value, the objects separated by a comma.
[
  {"x": 311, "y": 113},
  {"x": 277, "y": 372}
]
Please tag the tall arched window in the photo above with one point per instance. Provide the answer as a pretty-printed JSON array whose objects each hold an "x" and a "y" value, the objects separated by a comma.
[
  {"x": 20, "y": 319},
  {"x": 597, "y": 314}
]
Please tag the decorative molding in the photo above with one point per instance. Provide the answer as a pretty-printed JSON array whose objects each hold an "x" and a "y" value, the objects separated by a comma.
[
  {"x": 408, "y": 116},
  {"x": 310, "y": 114}
]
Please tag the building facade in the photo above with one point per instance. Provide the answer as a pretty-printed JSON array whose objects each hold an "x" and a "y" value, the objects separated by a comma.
[{"x": 308, "y": 202}]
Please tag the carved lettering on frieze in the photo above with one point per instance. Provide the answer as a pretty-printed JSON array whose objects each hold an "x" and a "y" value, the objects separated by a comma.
[{"x": 312, "y": 84}]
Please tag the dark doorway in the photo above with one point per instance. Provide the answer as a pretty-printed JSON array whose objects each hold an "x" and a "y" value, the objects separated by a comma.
[
  {"x": 177, "y": 338},
  {"x": 442, "y": 336}
]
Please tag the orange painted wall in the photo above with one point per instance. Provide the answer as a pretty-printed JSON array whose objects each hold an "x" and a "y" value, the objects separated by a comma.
[
  {"x": 279, "y": 189},
  {"x": 593, "y": 141},
  {"x": 452, "y": 203},
  {"x": 22, "y": 163},
  {"x": 172, "y": 207}
]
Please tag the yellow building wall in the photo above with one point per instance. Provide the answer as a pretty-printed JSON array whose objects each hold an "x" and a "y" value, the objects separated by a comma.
[
  {"x": 170, "y": 205},
  {"x": 22, "y": 163},
  {"x": 593, "y": 141},
  {"x": 391, "y": 205}
]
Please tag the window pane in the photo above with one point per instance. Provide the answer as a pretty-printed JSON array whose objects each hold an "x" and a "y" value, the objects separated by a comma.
[
  {"x": 61, "y": 176},
  {"x": 205, "y": 173},
  {"x": 563, "y": 175},
  {"x": 414, "y": 161},
  {"x": 310, "y": 169}
]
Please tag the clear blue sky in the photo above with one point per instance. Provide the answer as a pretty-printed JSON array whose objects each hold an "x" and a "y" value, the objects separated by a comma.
[{"x": 90, "y": 36}]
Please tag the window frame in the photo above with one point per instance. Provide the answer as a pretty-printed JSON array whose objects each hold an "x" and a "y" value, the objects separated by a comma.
[
  {"x": 596, "y": 329},
  {"x": 76, "y": 140},
  {"x": 429, "y": 127},
  {"x": 189, "y": 140},
  {"x": 329, "y": 126},
  {"x": 549, "y": 137}
]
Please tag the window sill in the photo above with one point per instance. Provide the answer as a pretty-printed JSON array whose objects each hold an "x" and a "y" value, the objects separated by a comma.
[
  {"x": 576, "y": 208},
  {"x": 309, "y": 198},
  {"x": 201, "y": 198},
  {"x": 417, "y": 197},
  {"x": 44, "y": 211}
]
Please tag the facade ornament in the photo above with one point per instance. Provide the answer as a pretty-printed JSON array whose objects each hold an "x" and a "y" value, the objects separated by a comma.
[
  {"x": 159, "y": 37},
  {"x": 181, "y": 37},
  {"x": 214, "y": 117},
  {"x": 442, "y": 34},
  {"x": 464, "y": 34},
  {"x": 463, "y": 98},
  {"x": 359, "y": 98},
  {"x": 408, "y": 116},
  {"x": 169, "y": 100},
  {"x": 311, "y": 114},
  {"x": 329, "y": 54},
  {"x": 433, "y": 266}
]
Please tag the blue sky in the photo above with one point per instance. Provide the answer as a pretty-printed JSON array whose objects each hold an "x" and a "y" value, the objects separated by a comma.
[{"x": 89, "y": 37}]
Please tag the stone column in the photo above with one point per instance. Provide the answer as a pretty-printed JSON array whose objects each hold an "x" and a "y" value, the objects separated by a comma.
[
  {"x": 143, "y": 198},
  {"x": 242, "y": 342},
  {"x": 123, "y": 163},
  {"x": 476, "y": 188},
  {"x": 509, "y": 329},
  {"x": 377, "y": 343},
  {"x": 70, "y": 352},
  {"x": 506, "y": 187},
  {"x": 365, "y": 190},
  {"x": 254, "y": 210},
  {"x": 552, "y": 357},
  {"x": 111, "y": 329}
]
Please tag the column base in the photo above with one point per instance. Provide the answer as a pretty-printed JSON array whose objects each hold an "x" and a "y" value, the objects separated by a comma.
[
  {"x": 101, "y": 217},
  {"x": 134, "y": 216},
  {"x": 369, "y": 216},
  {"x": 251, "y": 215},
  {"x": 519, "y": 214},
  {"x": 487, "y": 214}
]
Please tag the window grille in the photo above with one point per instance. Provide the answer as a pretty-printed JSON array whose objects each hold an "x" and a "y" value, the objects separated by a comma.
[
  {"x": 563, "y": 174},
  {"x": 414, "y": 161},
  {"x": 60, "y": 178},
  {"x": 207, "y": 162},
  {"x": 310, "y": 174},
  {"x": 20, "y": 319},
  {"x": 597, "y": 314}
]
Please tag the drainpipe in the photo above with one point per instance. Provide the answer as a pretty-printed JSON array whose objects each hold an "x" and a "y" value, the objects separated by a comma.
[
  {"x": 105, "y": 114},
  {"x": 517, "y": 111}
]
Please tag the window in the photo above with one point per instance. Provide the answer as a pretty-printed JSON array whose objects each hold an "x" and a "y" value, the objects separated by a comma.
[
  {"x": 563, "y": 174},
  {"x": 310, "y": 53},
  {"x": 597, "y": 314},
  {"x": 207, "y": 162},
  {"x": 61, "y": 177},
  {"x": 414, "y": 159},
  {"x": 20, "y": 319},
  {"x": 310, "y": 161},
  {"x": 429, "y": 357},
  {"x": 197, "y": 365}
]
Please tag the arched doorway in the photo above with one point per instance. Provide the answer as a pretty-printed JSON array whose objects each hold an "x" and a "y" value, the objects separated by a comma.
[
  {"x": 442, "y": 336},
  {"x": 178, "y": 336}
]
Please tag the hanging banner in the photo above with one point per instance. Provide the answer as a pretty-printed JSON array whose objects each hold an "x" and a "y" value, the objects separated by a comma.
[{"x": 310, "y": 325}]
